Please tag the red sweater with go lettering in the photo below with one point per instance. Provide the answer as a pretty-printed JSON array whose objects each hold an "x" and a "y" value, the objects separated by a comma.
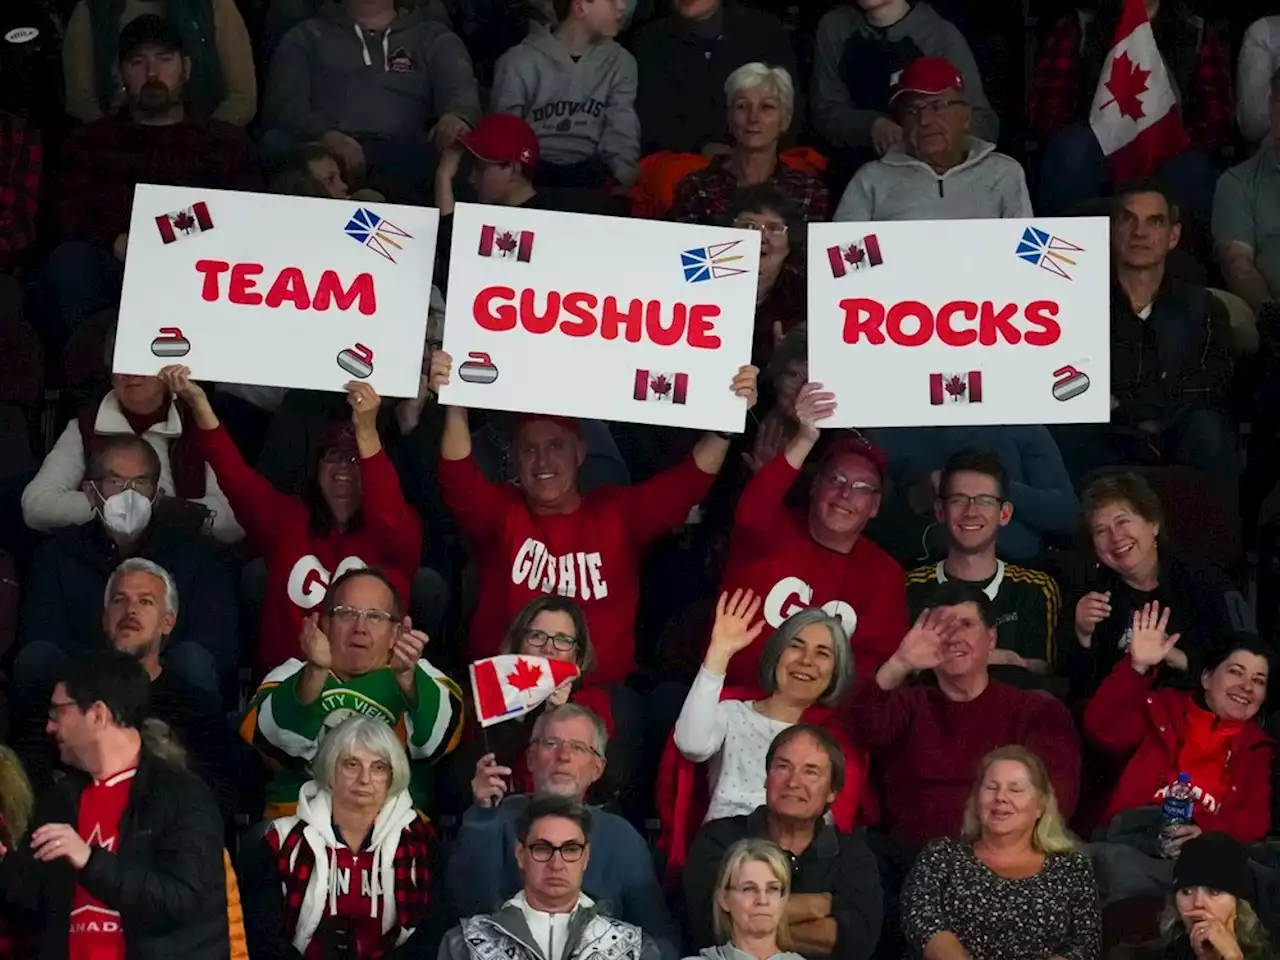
[
  {"x": 591, "y": 555},
  {"x": 772, "y": 553}
]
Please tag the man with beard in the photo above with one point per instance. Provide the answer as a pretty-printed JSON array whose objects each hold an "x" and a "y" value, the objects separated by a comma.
[
  {"x": 153, "y": 139},
  {"x": 817, "y": 558},
  {"x": 972, "y": 507}
]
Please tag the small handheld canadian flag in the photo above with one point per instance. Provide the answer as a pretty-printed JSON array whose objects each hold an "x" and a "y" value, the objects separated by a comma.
[{"x": 511, "y": 685}]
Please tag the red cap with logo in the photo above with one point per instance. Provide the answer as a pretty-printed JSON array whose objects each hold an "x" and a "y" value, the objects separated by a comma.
[
  {"x": 853, "y": 443},
  {"x": 928, "y": 75},
  {"x": 503, "y": 138}
]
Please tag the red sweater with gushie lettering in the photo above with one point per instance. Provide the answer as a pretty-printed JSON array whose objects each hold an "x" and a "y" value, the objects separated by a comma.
[
  {"x": 591, "y": 555},
  {"x": 772, "y": 553}
]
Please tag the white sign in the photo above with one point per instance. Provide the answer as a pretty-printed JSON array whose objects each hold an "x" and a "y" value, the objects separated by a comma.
[
  {"x": 275, "y": 290},
  {"x": 602, "y": 317},
  {"x": 926, "y": 323}
]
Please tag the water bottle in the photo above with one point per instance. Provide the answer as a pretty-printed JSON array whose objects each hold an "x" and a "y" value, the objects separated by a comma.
[{"x": 1179, "y": 811}]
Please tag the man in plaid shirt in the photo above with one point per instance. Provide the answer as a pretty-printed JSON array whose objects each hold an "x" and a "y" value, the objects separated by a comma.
[
  {"x": 152, "y": 140},
  {"x": 1066, "y": 77},
  {"x": 21, "y": 174}
]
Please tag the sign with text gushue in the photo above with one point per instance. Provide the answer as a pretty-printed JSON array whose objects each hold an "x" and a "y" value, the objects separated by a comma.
[
  {"x": 601, "y": 317},
  {"x": 927, "y": 323},
  {"x": 275, "y": 290}
]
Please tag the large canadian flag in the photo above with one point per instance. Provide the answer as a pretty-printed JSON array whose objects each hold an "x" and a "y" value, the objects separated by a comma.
[
  {"x": 511, "y": 685},
  {"x": 1135, "y": 110}
]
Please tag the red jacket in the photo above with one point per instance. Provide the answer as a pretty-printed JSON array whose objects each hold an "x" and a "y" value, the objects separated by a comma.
[
  {"x": 302, "y": 564},
  {"x": 1127, "y": 718},
  {"x": 772, "y": 553},
  {"x": 682, "y": 796},
  {"x": 591, "y": 555}
]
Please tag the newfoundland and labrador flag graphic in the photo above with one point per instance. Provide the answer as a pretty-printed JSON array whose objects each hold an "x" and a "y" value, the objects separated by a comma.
[
  {"x": 511, "y": 685},
  {"x": 184, "y": 223}
]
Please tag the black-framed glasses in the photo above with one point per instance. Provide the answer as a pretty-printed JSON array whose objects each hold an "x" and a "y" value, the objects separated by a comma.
[
  {"x": 961, "y": 501},
  {"x": 915, "y": 111},
  {"x": 542, "y": 851},
  {"x": 349, "y": 615},
  {"x": 538, "y": 639}
]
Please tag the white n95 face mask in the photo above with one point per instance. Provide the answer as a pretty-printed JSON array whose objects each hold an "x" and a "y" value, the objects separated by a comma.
[{"x": 127, "y": 512}]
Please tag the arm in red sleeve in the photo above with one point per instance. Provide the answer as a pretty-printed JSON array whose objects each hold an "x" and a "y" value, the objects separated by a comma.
[
  {"x": 480, "y": 507},
  {"x": 1115, "y": 719},
  {"x": 1055, "y": 83},
  {"x": 877, "y": 637},
  {"x": 386, "y": 514},
  {"x": 761, "y": 509},
  {"x": 1252, "y": 820},
  {"x": 878, "y": 719},
  {"x": 1210, "y": 116},
  {"x": 662, "y": 503},
  {"x": 260, "y": 507},
  {"x": 1051, "y": 735},
  {"x": 20, "y": 188}
]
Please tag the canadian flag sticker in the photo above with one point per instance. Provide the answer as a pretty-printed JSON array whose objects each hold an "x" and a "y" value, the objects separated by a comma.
[
  {"x": 506, "y": 244},
  {"x": 661, "y": 387},
  {"x": 955, "y": 387},
  {"x": 184, "y": 223}
]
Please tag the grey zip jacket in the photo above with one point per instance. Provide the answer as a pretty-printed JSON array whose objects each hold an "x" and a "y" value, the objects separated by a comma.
[
  {"x": 505, "y": 935},
  {"x": 986, "y": 185},
  {"x": 727, "y": 951},
  {"x": 578, "y": 110},
  {"x": 331, "y": 74}
]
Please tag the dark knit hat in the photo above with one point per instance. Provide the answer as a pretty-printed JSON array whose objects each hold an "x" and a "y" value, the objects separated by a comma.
[{"x": 1217, "y": 861}]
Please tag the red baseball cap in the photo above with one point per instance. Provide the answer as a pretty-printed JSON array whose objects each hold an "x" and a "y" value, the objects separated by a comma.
[
  {"x": 503, "y": 138},
  {"x": 856, "y": 445},
  {"x": 929, "y": 75},
  {"x": 568, "y": 423}
]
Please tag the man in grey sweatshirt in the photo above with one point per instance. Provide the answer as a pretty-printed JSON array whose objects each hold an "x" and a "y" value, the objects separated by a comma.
[
  {"x": 576, "y": 87},
  {"x": 939, "y": 171},
  {"x": 383, "y": 87}
]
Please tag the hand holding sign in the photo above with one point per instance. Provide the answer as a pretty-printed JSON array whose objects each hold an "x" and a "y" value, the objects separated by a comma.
[
  {"x": 744, "y": 384},
  {"x": 178, "y": 380}
]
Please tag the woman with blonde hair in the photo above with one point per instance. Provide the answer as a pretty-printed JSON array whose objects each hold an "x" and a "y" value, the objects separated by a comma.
[
  {"x": 1014, "y": 886},
  {"x": 750, "y": 909}
]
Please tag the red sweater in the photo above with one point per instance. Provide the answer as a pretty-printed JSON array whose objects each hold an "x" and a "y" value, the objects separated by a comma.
[
  {"x": 592, "y": 554},
  {"x": 772, "y": 553},
  {"x": 928, "y": 749},
  {"x": 301, "y": 564},
  {"x": 1128, "y": 718}
]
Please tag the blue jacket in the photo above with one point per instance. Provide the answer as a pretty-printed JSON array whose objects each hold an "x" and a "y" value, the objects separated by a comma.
[
  {"x": 1044, "y": 501},
  {"x": 482, "y": 874}
]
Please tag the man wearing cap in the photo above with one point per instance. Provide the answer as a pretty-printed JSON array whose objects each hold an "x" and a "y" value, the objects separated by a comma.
[
  {"x": 939, "y": 171},
  {"x": 547, "y": 537},
  {"x": 152, "y": 140},
  {"x": 818, "y": 558}
]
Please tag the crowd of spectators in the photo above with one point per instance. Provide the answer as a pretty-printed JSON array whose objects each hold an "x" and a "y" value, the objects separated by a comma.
[{"x": 840, "y": 693}]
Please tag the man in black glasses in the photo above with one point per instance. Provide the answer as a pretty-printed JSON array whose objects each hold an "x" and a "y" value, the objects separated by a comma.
[{"x": 550, "y": 917}]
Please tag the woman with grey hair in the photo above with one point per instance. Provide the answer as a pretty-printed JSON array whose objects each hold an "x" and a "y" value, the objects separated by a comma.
[
  {"x": 761, "y": 101},
  {"x": 350, "y": 874},
  {"x": 806, "y": 663}
]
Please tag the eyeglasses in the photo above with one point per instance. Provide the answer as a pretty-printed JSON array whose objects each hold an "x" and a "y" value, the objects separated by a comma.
[
  {"x": 914, "y": 111},
  {"x": 538, "y": 639},
  {"x": 112, "y": 484},
  {"x": 960, "y": 501},
  {"x": 845, "y": 486},
  {"x": 378, "y": 770},
  {"x": 56, "y": 708},
  {"x": 751, "y": 891},
  {"x": 773, "y": 229},
  {"x": 349, "y": 615},
  {"x": 570, "y": 852},
  {"x": 576, "y": 747}
]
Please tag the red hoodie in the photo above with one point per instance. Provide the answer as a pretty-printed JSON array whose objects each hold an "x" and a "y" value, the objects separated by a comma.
[
  {"x": 1127, "y": 717},
  {"x": 772, "y": 553},
  {"x": 591, "y": 555},
  {"x": 300, "y": 563}
]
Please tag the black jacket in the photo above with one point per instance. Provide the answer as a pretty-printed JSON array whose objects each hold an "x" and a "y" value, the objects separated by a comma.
[
  {"x": 836, "y": 863},
  {"x": 63, "y": 603},
  {"x": 167, "y": 878},
  {"x": 680, "y": 99},
  {"x": 1177, "y": 359}
]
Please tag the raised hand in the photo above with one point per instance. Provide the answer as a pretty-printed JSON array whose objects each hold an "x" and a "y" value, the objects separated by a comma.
[
  {"x": 364, "y": 403},
  {"x": 489, "y": 785},
  {"x": 736, "y": 628},
  {"x": 1149, "y": 641},
  {"x": 744, "y": 384},
  {"x": 178, "y": 379},
  {"x": 813, "y": 405},
  {"x": 314, "y": 643},
  {"x": 440, "y": 371},
  {"x": 921, "y": 648},
  {"x": 1091, "y": 610},
  {"x": 407, "y": 649}
]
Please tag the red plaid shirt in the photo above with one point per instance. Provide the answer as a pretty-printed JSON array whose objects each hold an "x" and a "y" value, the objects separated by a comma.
[
  {"x": 103, "y": 161},
  {"x": 703, "y": 196},
  {"x": 1055, "y": 98},
  {"x": 22, "y": 162}
]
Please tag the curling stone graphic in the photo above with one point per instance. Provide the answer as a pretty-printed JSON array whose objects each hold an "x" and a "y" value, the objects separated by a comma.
[
  {"x": 358, "y": 361},
  {"x": 170, "y": 343},
  {"x": 1069, "y": 383},
  {"x": 479, "y": 369}
]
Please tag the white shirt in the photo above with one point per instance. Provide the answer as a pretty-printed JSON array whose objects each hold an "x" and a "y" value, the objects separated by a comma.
[{"x": 550, "y": 930}]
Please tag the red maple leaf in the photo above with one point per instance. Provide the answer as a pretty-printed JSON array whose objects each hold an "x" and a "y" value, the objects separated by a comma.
[
  {"x": 184, "y": 221},
  {"x": 525, "y": 676},
  {"x": 956, "y": 387},
  {"x": 660, "y": 385},
  {"x": 855, "y": 254},
  {"x": 1126, "y": 84},
  {"x": 505, "y": 242}
]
